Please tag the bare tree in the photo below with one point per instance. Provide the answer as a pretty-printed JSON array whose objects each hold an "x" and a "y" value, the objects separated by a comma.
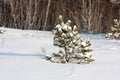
[{"x": 47, "y": 11}]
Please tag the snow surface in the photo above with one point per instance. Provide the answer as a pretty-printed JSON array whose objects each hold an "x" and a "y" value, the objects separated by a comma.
[{"x": 22, "y": 58}]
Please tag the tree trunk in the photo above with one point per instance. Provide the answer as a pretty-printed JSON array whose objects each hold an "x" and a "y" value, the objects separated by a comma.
[
  {"x": 48, "y": 6},
  {"x": 66, "y": 54}
]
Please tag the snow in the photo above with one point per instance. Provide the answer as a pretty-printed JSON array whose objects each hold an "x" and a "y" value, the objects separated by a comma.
[{"x": 22, "y": 58}]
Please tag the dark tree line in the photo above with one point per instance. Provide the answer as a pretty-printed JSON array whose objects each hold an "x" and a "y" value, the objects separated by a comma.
[{"x": 97, "y": 15}]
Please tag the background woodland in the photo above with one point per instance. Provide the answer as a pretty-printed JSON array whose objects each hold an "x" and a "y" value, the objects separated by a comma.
[{"x": 97, "y": 15}]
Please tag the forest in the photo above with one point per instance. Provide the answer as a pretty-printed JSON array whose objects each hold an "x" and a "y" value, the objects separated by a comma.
[{"x": 96, "y": 15}]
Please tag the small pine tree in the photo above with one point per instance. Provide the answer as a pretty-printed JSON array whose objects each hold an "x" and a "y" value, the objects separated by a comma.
[
  {"x": 75, "y": 49},
  {"x": 115, "y": 29},
  {"x": 2, "y": 30}
]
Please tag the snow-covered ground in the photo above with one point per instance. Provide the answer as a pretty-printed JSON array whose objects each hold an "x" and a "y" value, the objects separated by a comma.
[{"x": 22, "y": 58}]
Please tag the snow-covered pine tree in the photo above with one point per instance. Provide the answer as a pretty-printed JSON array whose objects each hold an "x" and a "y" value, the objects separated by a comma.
[
  {"x": 75, "y": 49},
  {"x": 2, "y": 30},
  {"x": 115, "y": 29}
]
